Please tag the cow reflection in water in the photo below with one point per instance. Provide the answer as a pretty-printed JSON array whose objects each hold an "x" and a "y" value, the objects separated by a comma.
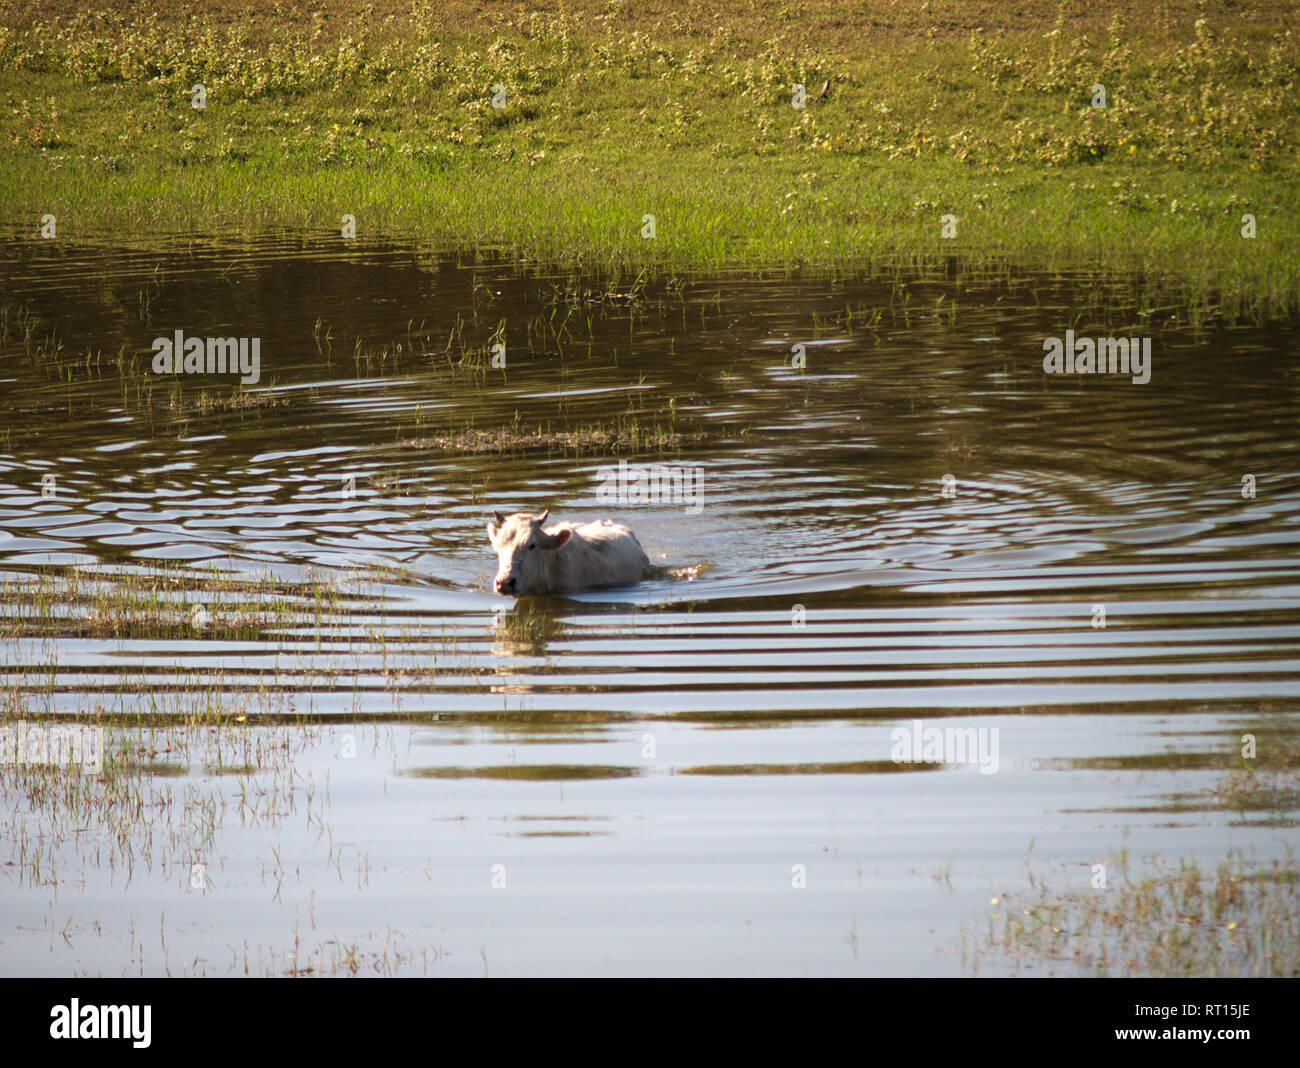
[{"x": 522, "y": 629}]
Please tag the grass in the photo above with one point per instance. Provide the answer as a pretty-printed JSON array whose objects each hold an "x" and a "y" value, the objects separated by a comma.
[
  {"x": 215, "y": 756},
  {"x": 619, "y": 438},
  {"x": 159, "y": 602},
  {"x": 144, "y": 807},
  {"x": 614, "y": 112},
  {"x": 337, "y": 638},
  {"x": 1166, "y": 919},
  {"x": 158, "y": 807}
]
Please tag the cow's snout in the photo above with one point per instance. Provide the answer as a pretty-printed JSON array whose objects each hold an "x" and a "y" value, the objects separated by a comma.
[{"x": 505, "y": 585}]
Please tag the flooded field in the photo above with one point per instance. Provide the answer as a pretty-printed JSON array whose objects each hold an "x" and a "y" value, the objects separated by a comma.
[{"x": 328, "y": 747}]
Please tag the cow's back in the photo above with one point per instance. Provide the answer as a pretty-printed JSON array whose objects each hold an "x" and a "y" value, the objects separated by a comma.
[{"x": 603, "y": 553}]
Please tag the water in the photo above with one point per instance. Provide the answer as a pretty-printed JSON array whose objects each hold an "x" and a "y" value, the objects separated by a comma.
[{"x": 647, "y": 771}]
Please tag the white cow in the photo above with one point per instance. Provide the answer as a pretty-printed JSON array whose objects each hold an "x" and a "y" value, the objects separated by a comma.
[{"x": 566, "y": 558}]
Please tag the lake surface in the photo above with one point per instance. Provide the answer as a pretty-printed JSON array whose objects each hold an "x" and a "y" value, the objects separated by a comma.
[{"x": 381, "y": 766}]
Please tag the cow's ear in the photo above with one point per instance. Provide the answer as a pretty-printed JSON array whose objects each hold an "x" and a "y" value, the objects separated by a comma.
[
  {"x": 492, "y": 533},
  {"x": 561, "y": 536}
]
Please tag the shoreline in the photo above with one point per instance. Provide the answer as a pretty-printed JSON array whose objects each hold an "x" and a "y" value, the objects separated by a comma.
[{"x": 678, "y": 145}]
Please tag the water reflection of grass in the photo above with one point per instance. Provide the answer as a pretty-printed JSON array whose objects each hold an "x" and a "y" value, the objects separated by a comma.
[
  {"x": 528, "y": 772},
  {"x": 847, "y": 767},
  {"x": 155, "y": 802},
  {"x": 1170, "y": 760},
  {"x": 182, "y": 401},
  {"x": 1170, "y": 918},
  {"x": 690, "y": 117},
  {"x": 1268, "y": 781},
  {"x": 164, "y": 803}
]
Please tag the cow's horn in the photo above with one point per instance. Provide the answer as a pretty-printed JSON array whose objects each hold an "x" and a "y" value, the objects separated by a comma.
[{"x": 499, "y": 518}]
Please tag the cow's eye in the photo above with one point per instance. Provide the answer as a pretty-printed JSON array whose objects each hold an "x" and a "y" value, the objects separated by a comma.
[{"x": 532, "y": 547}]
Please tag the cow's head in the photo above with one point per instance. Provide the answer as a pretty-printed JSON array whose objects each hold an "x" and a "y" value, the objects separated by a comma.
[{"x": 524, "y": 552}]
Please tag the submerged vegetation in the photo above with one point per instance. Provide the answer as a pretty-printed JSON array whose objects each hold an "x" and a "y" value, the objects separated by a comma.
[
  {"x": 162, "y": 601},
  {"x": 625, "y": 437},
  {"x": 1145, "y": 140},
  {"x": 1164, "y": 920},
  {"x": 1167, "y": 918}
]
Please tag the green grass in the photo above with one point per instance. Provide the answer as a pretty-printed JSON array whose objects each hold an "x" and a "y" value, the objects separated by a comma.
[
  {"x": 615, "y": 111},
  {"x": 159, "y": 601}
]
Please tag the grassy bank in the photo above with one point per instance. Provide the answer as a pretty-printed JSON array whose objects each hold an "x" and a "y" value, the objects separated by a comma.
[{"x": 615, "y": 111}]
